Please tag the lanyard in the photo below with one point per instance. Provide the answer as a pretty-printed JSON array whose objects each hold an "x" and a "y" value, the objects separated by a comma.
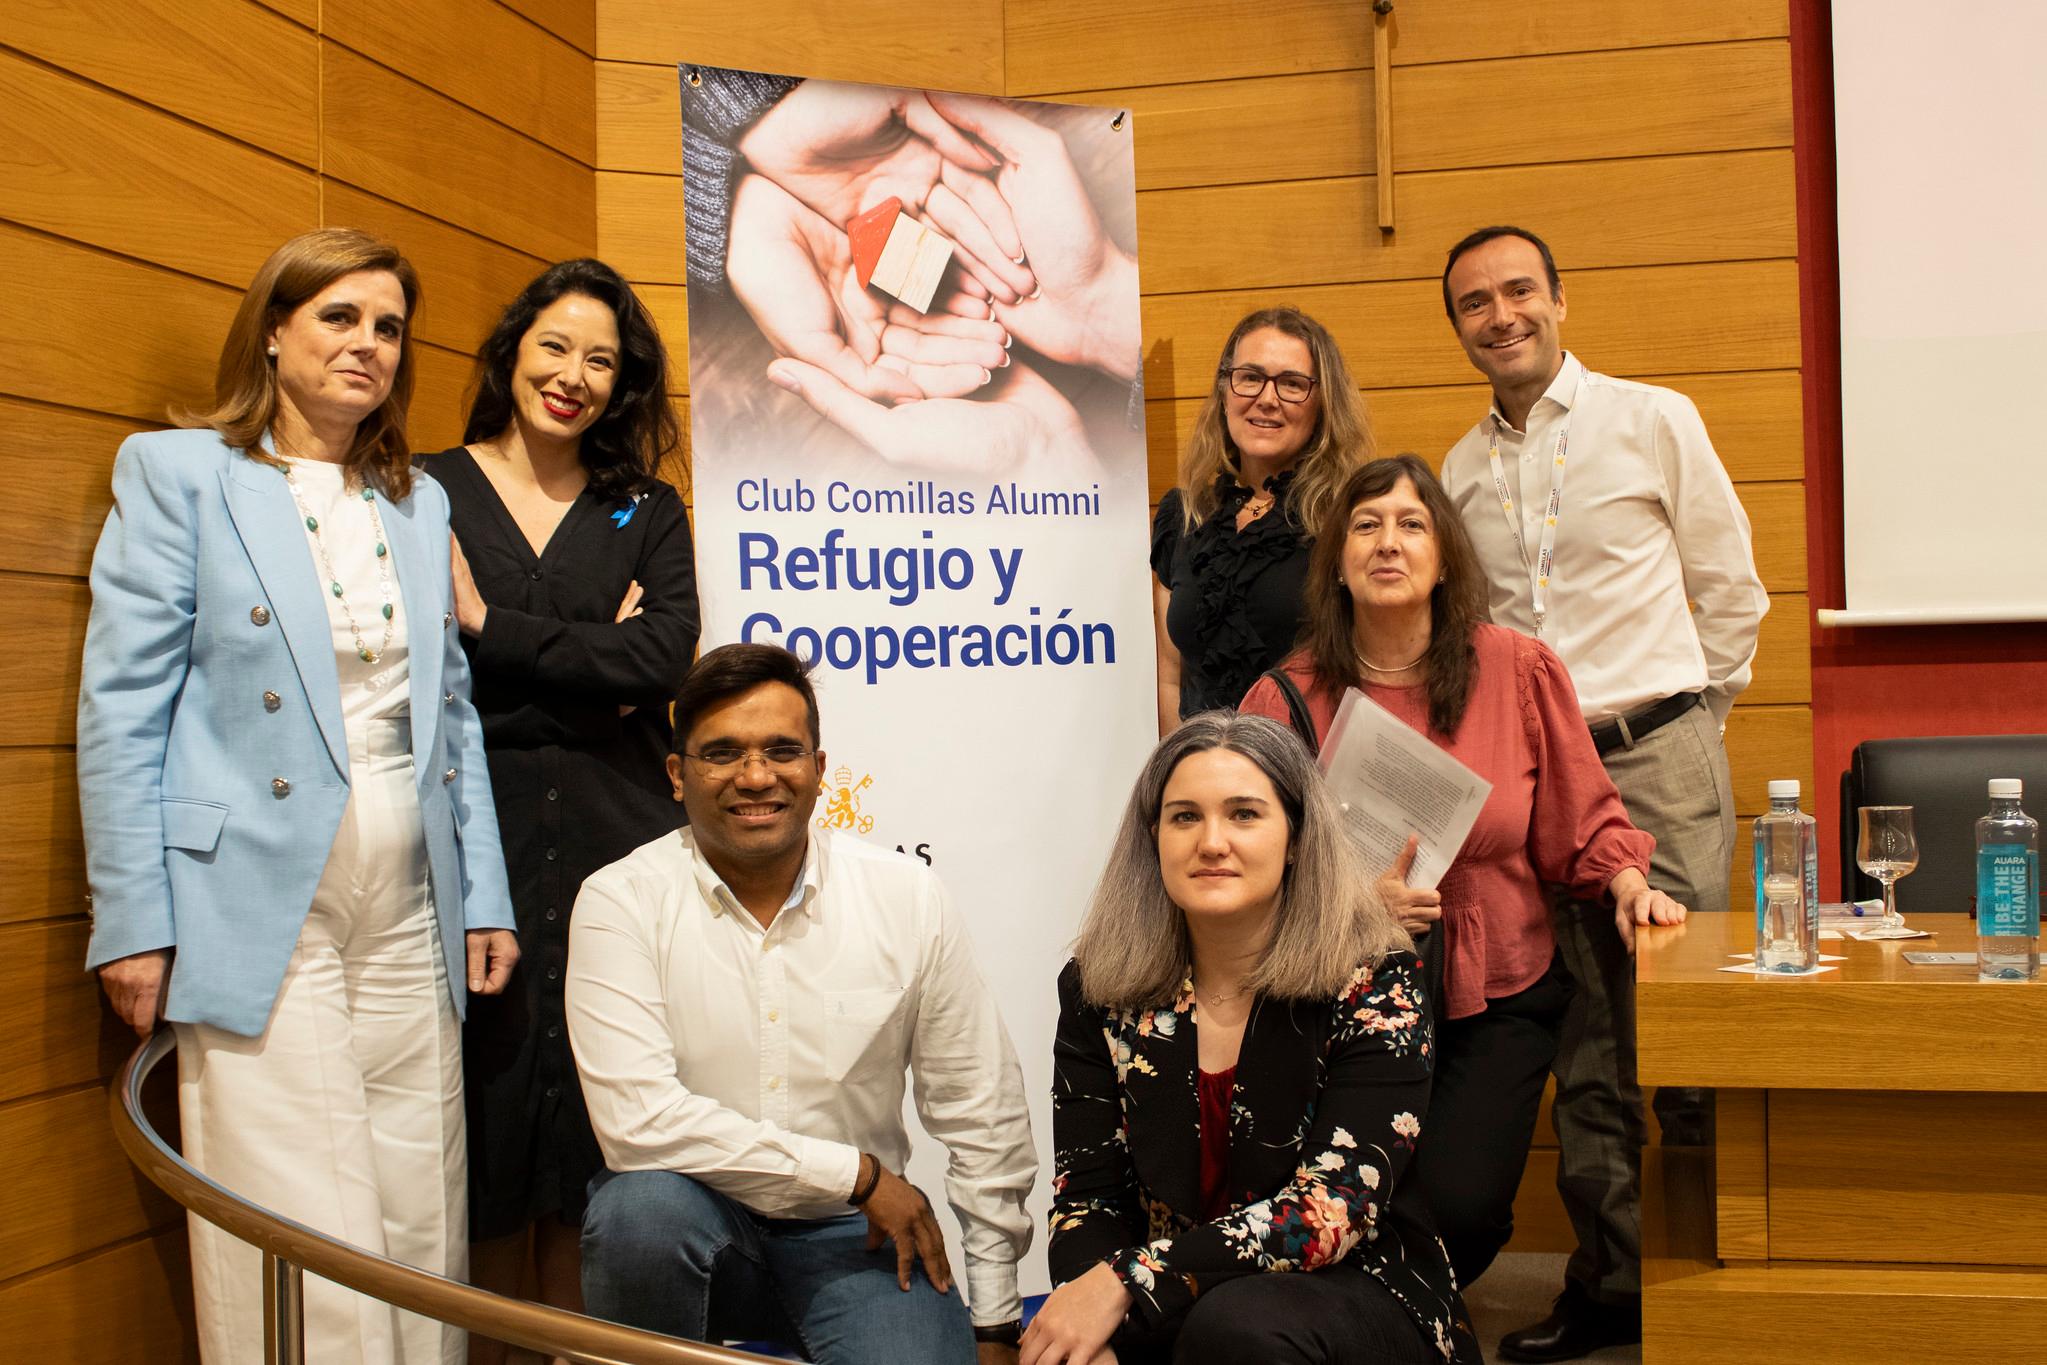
[{"x": 1546, "y": 550}]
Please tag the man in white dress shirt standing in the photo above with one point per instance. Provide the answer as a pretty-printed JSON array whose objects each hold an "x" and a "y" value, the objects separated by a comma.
[
  {"x": 744, "y": 998},
  {"x": 1609, "y": 530}
]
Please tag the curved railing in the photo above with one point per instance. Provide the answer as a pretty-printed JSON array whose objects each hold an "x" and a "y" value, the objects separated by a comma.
[{"x": 289, "y": 1249}]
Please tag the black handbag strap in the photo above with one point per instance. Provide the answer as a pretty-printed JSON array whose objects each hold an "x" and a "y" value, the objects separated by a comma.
[{"x": 1296, "y": 708}]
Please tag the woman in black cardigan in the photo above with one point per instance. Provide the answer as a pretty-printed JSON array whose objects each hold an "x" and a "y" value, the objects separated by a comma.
[
  {"x": 1240, "y": 1077},
  {"x": 575, "y": 592}
]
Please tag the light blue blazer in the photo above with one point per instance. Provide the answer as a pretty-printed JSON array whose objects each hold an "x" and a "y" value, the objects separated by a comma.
[{"x": 212, "y": 763}]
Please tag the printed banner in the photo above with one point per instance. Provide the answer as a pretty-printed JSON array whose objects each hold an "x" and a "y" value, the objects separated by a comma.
[{"x": 917, "y": 419}]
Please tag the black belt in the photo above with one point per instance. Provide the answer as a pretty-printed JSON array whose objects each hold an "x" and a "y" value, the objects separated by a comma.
[{"x": 1628, "y": 731}]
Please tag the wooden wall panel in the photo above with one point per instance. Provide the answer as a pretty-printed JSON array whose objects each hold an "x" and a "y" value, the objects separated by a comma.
[
  {"x": 71, "y": 1188},
  {"x": 66, "y": 457},
  {"x": 1754, "y": 420},
  {"x": 1783, "y": 669},
  {"x": 639, "y": 118},
  {"x": 1776, "y": 514},
  {"x": 1739, "y": 315},
  {"x": 487, "y": 57},
  {"x": 1666, "y": 210},
  {"x": 56, "y": 1035},
  {"x": 227, "y": 64},
  {"x": 1056, "y": 45},
  {"x": 1638, "y": 103},
  {"x": 1274, "y": 129},
  {"x": 575, "y": 24},
  {"x": 42, "y": 856},
  {"x": 128, "y": 1305},
  {"x": 639, "y": 226},
  {"x": 96, "y": 167},
  {"x": 64, "y": 295},
  {"x": 39, "y": 675},
  {"x": 405, "y": 143},
  {"x": 440, "y": 388},
  {"x": 1765, "y": 742},
  {"x": 669, "y": 305},
  {"x": 466, "y": 280},
  {"x": 887, "y": 42}
]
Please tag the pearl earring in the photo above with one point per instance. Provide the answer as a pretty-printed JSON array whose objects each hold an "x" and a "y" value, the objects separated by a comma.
[{"x": 271, "y": 351}]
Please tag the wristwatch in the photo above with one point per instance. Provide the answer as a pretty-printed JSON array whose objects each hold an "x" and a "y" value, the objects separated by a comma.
[{"x": 1000, "y": 1333}]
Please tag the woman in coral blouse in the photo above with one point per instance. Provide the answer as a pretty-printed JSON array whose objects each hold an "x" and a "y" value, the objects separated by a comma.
[
  {"x": 1240, "y": 1076},
  {"x": 1396, "y": 608}
]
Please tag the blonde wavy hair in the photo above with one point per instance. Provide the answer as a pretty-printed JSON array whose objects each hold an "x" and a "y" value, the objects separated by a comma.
[{"x": 1340, "y": 442}]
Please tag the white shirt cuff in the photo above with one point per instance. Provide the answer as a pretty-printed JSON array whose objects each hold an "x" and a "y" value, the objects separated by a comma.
[
  {"x": 829, "y": 1169},
  {"x": 991, "y": 1292}
]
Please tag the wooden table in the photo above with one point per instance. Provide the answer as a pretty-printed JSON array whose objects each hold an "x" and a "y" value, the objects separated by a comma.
[{"x": 1878, "y": 1187}]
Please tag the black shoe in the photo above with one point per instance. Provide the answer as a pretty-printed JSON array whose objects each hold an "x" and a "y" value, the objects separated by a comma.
[{"x": 1575, "y": 1327}]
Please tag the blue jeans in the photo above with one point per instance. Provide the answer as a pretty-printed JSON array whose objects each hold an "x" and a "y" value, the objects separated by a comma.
[{"x": 665, "y": 1253}]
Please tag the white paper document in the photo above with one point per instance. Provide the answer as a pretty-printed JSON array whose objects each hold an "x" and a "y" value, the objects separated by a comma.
[{"x": 1392, "y": 782}]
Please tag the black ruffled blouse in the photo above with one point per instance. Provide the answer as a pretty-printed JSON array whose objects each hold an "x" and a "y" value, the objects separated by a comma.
[{"x": 1236, "y": 599}]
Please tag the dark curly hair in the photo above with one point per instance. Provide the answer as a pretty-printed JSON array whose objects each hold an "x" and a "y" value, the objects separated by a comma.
[{"x": 625, "y": 445}]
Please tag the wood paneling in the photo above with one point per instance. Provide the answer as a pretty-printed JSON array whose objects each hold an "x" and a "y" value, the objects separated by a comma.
[
  {"x": 1741, "y": 1176},
  {"x": 1716, "y": 316},
  {"x": 1783, "y": 666},
  {"x": 39, "y": 675},
  {"x": 1754, "y": 420},
  {"x": 485, "y": 56},
  {"x": 226, "y": 64},
  {"x": 1540, "y": 1223},
  {"x": 1635, "y": 103},
  {"x": 67, "y": 457},
  {"x": 1765, "y": 742},
  {"x": 572, "y": 21},
  {"x": 303, "y": 12},
  {"x": 466, "y": 280},
  {"x": 1836, "y": 1192},
  {"x": 439, "y": 389},
  {"x": 639, "y": 118},
  {"x": 130, "y": 1305},
  {"x": 1666, "y": 210},
  {"x": 639, "y": 226},
  {"x": 479, "y": 175},
  {"x": 71, "y": 1187},
  {"x": 1847, "y": 1315},
  {"x": 56, "y": 1035},
  {"x": 102, "y": 169},
  {"x": 1776, "y": 515},
  {"x": 888, "y": 42},
  {"x": 42, "y": 854},
  {"x": 669, "y": 306},
  {"x": 63, "y": 297},
  {"x": 1056, "y": 45}
]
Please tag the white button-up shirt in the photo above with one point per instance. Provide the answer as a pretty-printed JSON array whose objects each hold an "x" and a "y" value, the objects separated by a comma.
[
  {"x": 1648, "y": 526},
  {"x": 763, "y": 1062}
]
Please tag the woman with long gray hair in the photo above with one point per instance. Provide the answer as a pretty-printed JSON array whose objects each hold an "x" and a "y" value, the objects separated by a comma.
[{"x": 1241, "y": 1072}]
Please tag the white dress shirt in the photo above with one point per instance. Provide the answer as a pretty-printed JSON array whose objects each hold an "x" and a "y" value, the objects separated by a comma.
[
  {"x": 1648, "y": 527},
  {"x": 763, "y": 1062}
]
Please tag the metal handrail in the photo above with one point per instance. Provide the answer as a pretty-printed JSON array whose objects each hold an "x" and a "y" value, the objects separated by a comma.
[{"x": 289, "y": 1248}]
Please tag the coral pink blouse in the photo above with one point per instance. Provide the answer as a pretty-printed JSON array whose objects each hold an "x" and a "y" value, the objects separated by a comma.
[{"x": 1553, "y": 817}]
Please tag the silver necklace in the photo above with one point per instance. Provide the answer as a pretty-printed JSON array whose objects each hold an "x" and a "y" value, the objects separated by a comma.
[
  {"x": 369, "y": 496},
  {"x": 1371, "y": 667}
]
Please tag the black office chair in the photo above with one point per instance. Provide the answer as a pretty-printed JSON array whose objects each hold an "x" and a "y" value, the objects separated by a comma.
[{"x": 1945, "y": 781}]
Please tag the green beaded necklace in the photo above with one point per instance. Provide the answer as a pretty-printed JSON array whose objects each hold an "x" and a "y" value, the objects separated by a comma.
[{"x": 369, "y": 496}]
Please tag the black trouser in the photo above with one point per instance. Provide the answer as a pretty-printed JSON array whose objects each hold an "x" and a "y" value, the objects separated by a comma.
[
  {"x": 1490, "y": 1070},
  {"x": 1336, "y": 1316}
]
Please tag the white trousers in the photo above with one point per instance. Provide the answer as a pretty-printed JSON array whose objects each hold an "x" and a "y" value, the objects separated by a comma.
[{"x": 346, "y": 1114}]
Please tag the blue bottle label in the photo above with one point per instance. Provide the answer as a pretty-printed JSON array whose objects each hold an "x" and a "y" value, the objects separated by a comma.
[{"x": 2007, "y": 891}]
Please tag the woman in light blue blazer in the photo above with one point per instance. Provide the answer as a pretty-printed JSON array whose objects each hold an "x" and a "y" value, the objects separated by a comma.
[{"x": 289, "y": 830}]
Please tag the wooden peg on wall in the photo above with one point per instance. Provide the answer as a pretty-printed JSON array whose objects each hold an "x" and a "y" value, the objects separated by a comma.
[{"x": 1382, "y": 100}]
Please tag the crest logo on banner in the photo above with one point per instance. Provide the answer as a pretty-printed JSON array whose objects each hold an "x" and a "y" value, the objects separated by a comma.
[
  {"x": 840, "y": 799},
  {"x": 917, "y": 425}
]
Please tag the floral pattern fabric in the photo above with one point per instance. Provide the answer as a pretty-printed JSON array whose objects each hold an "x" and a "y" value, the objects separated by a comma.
[{"x": 1330, "y": 1102}]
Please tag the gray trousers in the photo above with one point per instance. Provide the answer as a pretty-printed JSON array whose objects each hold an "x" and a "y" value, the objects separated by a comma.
[{"x": 1675, "y": 785}]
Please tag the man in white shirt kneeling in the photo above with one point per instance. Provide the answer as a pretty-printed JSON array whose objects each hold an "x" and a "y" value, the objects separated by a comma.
[{"x": 744, "y": 998}]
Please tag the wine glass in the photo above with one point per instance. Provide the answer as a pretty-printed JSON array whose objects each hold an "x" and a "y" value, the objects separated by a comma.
[{"x": 1886, "y": 850}]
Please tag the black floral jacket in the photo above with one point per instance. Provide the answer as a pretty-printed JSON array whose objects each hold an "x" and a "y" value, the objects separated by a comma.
[{"x": 1329, "y": 1101}]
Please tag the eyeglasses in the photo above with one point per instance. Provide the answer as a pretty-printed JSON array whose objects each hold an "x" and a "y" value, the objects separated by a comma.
[
  {"x": 1248, "y": 382},
  {"x": 725, "y": 760}
]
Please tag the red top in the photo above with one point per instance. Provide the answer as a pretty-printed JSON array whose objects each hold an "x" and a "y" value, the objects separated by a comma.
[
  {"x": 1553, "y": 816},
  {"x": 1215, "y": 1089}
]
